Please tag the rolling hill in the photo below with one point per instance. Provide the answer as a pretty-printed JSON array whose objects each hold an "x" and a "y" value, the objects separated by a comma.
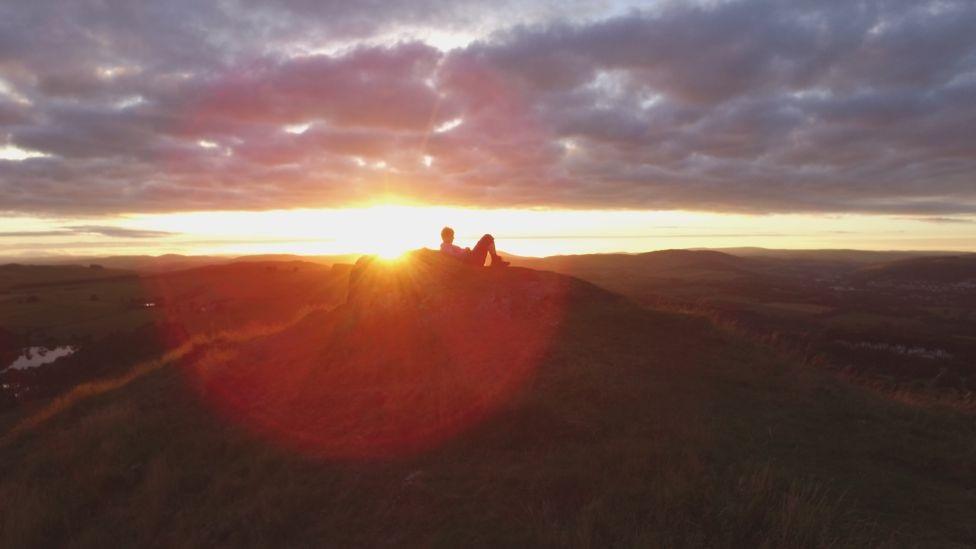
[
  {"x": 945, "y": 269},
  {"x": 147, "y": 264},
  {"x": 15, "y": 276},
  {"x": 642, "y": 276},
  {"x": 838, "y": 256},
  {"x": 696, "y": 264},
  {"x": 441, "y": 406}
]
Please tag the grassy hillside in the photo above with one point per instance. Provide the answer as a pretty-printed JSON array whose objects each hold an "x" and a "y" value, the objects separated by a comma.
[
  {"x": 67, "y": 302},
  {"x": 114, "y": 320},
  {"x": 906, "y": 322},
  {"x": 623, "y": 426}
]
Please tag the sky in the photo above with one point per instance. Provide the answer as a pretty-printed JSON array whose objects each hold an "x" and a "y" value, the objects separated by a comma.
[{"x": 301, "y": 126}]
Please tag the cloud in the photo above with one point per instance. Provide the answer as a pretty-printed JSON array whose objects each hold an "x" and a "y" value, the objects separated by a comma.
[
  {"x": 118, "y": 232},
  {"x": 100, "y": 230},
  {"x": 746, "y": 106},
  {"x": 943, "y": 220},
  {"x": 30, "y": 234}
]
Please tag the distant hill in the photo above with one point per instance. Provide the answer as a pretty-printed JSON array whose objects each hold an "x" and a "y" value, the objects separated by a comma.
[
  {"x": 697, "y": 264},
  {"x": 141, "y": 263},
  {"x": 839, "y": 256},
  {"x": 753, "y": 273},
  {"x": 320, "y": 259},
  {"x": 948, "y": 269},
  {"x": 177, "y": 262},
  {"x": 826, "y": 260},
  {"x": 447, "y": 406},
  {"x": 641, "y": 276},
  {"x": 15, "y": 275}
]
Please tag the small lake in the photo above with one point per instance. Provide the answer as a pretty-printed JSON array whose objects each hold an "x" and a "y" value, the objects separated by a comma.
[{"x": 33, "y": 357}]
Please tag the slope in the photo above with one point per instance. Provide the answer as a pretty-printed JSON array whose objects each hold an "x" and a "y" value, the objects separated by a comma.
[{"x": 446, "y": 407}]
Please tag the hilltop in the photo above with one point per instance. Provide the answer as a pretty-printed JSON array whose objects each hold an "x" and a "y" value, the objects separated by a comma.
[{"x": 444, "y": 406}]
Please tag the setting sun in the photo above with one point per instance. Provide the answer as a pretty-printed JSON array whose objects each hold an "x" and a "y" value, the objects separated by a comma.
[{"x": 391, "y": 228}]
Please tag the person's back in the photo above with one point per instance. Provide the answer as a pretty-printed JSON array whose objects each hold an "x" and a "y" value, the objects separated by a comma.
[
  {"x": 477, "y": 256},
  {"x": 448, "y": 247}
]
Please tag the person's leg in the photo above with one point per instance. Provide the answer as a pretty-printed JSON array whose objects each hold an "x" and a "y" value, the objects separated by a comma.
[{"x": 481, "y": 250}]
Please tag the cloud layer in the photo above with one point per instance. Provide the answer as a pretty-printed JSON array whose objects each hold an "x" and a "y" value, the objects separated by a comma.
[
  {"x": 87, "y": 230},
  {"x": 746, "y": 106}
]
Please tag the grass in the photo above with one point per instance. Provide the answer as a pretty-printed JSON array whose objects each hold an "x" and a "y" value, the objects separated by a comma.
[
  {"x": 858, "y": 320},
  {"x": 798, "y": 308},
  {"x": 637, "y": 428},
  {"x": 69, "y": 311}
]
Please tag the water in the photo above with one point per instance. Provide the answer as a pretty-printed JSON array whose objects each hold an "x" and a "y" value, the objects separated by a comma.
[{"x": 33, "y": 357}]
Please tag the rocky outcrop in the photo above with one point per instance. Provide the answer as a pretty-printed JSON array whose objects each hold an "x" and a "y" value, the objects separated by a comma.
[{"x": 428, "y": 283}]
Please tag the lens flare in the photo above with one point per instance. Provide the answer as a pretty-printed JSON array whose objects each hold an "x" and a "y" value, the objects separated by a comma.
[{"x": 423, "y": 349}]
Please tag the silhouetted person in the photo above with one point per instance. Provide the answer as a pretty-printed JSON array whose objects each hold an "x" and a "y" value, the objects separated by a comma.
[{"x": 476, "y": 257}]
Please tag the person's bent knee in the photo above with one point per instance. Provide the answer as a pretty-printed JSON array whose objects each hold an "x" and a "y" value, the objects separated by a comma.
[{"x": 488, "y": 238}]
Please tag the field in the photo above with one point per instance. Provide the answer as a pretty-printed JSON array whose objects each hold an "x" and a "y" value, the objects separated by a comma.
[
  {"x": 74, "y": 311},
  {"x": 117, "y": 317}
]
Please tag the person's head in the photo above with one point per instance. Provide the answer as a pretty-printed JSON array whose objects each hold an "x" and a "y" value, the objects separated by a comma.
[{"x": 447, "y": 235}]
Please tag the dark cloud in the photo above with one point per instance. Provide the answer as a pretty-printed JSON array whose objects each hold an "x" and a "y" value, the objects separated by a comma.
[
  {"x": 746, "y": 106},
  {"x": 31, "y": 234}
]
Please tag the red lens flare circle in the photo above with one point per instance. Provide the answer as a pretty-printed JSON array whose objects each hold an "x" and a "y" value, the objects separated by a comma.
[{"x": 424, "y": 349}]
